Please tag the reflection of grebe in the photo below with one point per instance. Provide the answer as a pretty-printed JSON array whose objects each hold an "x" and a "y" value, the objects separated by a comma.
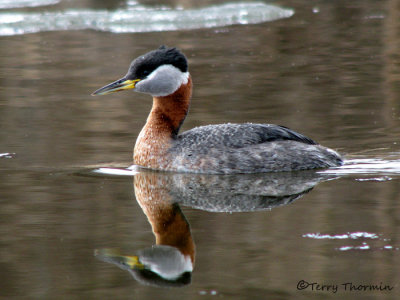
[
  {"x": 169, "y": 225},
  {"x": 227, "y": 148},
  {"x": 170, "y": 261}
]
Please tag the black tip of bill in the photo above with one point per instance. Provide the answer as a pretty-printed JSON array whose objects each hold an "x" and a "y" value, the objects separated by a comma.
[{"x": 116, "y": 86}]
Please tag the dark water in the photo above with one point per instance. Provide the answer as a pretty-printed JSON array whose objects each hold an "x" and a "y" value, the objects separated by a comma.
[{"x": 331, "y": 71}]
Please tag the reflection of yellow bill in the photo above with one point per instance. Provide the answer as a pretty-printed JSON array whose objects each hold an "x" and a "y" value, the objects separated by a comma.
[
  {"x": 133, "y": 262},
  {"x": 114, "y": 255},
  {"x": 116, "y": 86}
]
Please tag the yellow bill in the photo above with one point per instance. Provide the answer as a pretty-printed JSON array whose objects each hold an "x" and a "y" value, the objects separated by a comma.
[{"x": 116, "y": 86}]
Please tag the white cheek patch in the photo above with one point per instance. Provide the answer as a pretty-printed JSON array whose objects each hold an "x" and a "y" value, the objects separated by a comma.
[{"x": 163, "y": 81}]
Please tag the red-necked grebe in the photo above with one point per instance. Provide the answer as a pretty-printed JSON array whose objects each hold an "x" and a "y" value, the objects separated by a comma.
[{"x": 226, "y": 148}]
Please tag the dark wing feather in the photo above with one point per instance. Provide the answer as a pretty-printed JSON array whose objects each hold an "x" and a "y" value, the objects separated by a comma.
[
  {"x": 236, "y": 136},
  {"x": 279, "y": 133}
]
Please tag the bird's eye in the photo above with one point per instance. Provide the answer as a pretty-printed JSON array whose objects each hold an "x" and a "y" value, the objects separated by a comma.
[{"x": 145, "y": 72}]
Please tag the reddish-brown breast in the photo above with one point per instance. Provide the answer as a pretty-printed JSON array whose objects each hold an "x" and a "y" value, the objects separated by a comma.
[{"x": 163, "y": 123}]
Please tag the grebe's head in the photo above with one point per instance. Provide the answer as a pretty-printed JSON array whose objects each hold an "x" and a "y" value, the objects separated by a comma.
[{"x": 159, "y": 73}]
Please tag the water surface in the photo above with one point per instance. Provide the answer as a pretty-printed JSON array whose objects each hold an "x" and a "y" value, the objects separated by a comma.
[
  {"x": 139, "y": 18},
  {"x": 329, "y": 71}
]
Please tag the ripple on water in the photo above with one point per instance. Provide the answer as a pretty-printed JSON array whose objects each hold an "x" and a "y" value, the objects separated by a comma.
[
  {"x": 7, "y": 155},
  {"x": 131, "y": 171},
  {"x": 368, "y": 166},
  {"x": 140, "y": 18},
  {"x": 7, "y": 4},
  {"x": 353, "y": 236},
  {"x": 348, "y": 235}
]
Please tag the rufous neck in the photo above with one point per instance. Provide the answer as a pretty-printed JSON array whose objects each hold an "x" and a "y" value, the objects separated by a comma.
[{"x": 169, "y": 112}]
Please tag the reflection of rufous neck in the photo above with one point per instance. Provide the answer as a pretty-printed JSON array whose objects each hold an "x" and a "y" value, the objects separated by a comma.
[{"x": 169, "y": 225}]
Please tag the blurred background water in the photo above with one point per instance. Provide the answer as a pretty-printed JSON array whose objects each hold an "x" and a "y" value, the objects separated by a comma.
[{"x": 327, "y": 69}]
